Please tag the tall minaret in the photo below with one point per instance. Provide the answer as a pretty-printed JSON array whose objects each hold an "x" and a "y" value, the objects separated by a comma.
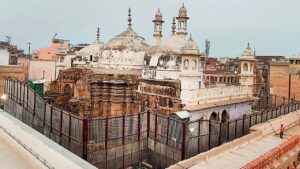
[
  {"x": 247, "y": 61},
  {"x": 182, "y": 22},
  {"x": 157, "y": 27}
]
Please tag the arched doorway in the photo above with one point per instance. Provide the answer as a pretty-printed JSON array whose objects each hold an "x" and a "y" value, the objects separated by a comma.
[
  {"x": 214, "y": 116},
  {"x": 68, "y": 89},
  {"x": 224, "y": 116}
]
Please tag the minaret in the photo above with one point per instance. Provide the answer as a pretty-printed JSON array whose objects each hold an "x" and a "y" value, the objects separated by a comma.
[
  {"x": 247, "y": 61},
  {"x": 173, "y": 26},
  {"x": 129, "y": 17},
  {"x": 182, "y": 22},
  {"x": 157, "y": 26}
]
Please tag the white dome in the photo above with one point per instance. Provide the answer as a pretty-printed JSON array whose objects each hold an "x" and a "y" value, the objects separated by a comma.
[
  {"x": 92, "y": 49},
  {"x": 182, "y": 11},
  {"x": 127, "y": 40},
  {"x": 248, "y": 54}
]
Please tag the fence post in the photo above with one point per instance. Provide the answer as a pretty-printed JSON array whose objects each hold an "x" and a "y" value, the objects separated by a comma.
[
  {"x": 44, "y": 119},
  {"x": 235, "y": 132},
  {"x": 243, "y": 123},
  {"x": 106, "y": 139},
  {"x": 34, "y": 100},
  {"x": 85, "y": 130},
  {"x": 27, "y": 97},
  {"x": 209, "y": 133},
  {"x": 183, "y": 141},
  {"x": 199, "y": 135},
  {"x": 70, "y": 129},
  {"x": 139, "y": 127},
  {"x": 123, "y": 129},
  {"x": 60, "y": 127},
  {"x": 23, "y": 95},
  {"x": 155, "y": 128},
  {"x": 148, "y": 124},
  {"x": 167, "y": 141},
  {"x": 228, "y": 131},
  {"x": 51, "y": 112},
  {"x": 220, "y": 133}
]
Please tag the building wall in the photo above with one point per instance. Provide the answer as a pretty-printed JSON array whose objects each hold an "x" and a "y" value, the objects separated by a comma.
[
  {"x": 4, "y": 56},
  {"x": 208, "y": 95},
  {"x": 279, "y": 81},
  {"x": 23, "y": 62},
  {"x": 234, "y": 111},
  {"x": 37, "y": 67},
  {"x": 17, "y": 72}
]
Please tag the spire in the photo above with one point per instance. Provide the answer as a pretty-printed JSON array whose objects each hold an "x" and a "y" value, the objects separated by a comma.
[
  {"x": 98, "y": 33},
  {"x": 129, "y": 17},
  {"x": 173, "y": 26},
  {"x": 248, "y": 46},
  {"x": 190, "y": 39}
]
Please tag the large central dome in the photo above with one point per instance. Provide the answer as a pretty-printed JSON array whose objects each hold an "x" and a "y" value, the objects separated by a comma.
[{"x": 127, "y": 40}]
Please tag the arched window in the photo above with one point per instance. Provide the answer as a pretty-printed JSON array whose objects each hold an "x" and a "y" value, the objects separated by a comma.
[
  {"x": 68, "y": 89},
  {"x": 245, "y": 67},
  {"x": 91, "y": 57},
  {"x": 214, "y": 116},
  {"x": 186, "y": 64},
  {"x": 224, "y": 116}
]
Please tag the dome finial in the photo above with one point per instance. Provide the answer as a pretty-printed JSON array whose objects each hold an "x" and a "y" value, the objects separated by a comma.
[
  {"x": 173, "y": 26},
  {"x": 98, "y": 33},
  {"x": 129, "y": 17},
  {"x": 248, "y": 46}
]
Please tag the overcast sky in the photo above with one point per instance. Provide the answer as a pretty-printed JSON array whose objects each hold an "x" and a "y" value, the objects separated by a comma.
[{"x": 271, "y": 26}]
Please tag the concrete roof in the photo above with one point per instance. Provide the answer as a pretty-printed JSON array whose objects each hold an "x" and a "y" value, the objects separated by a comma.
[
  {"x": 30, "y": 149},
  {"x": 239, "y": 152},
  {"x": 240, "y": 156}
]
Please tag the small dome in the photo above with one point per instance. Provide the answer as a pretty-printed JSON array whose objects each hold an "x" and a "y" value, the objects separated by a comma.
[
  {"x": 128, "y": 39},
  {"x": 158, "y": 13},
  {"x": 182, "y": 11},
  {"x": 92, "y": 49},
  {"x": 248, "y": 54},
  {"x": 191, "y": 47}
]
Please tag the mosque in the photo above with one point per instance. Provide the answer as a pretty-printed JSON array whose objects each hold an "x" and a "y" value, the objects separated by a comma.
[{"x": 126, "y": 75}]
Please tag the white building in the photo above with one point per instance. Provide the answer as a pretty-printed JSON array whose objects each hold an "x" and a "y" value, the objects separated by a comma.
[{"x": 4, "y": 54}]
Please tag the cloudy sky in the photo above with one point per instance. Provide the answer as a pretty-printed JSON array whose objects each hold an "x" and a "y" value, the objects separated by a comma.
[{"x": 271, "y": 26}]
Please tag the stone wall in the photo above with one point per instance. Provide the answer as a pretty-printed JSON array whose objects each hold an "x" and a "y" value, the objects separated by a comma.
[
  {"x": 208, "y": 95},
  {"x": 16, "y": 72}
]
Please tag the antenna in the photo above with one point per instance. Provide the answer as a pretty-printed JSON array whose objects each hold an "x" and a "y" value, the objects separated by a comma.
[
  {"x": 207, "y": 47},
  {"x": 29, "y": 45},
  {"x": 8, "y": 39}
]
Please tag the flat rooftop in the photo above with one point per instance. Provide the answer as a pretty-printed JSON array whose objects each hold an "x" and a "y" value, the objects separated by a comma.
[
  {"x": 21, "y": 147},
  {"x": 243, "y": 154}
]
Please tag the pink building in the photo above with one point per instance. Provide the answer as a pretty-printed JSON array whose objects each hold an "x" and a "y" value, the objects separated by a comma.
[{"x": 57, "y": 47}]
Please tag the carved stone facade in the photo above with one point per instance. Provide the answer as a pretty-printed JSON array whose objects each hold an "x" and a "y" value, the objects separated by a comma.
[{"x": 90, "y": 93}]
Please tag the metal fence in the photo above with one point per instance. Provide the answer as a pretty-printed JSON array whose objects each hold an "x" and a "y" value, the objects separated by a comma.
[{"x": 119, "y": 142}]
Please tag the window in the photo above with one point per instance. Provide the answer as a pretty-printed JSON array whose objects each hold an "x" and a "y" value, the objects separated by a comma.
[
  {"x": 245, "y": 67},
  {"x": 194, "y": 64},
  {"x": 186, "y": 64},
  {"x": 91, "y": 57}
]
